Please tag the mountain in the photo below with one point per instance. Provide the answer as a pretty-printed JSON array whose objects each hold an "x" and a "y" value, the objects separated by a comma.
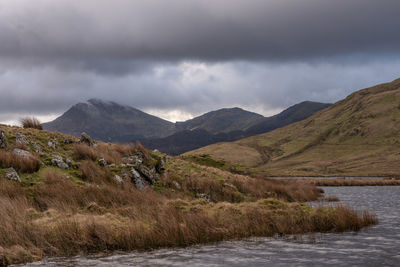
[
  {"x": 359, "y": 135},
  {"x": 212, "y": 128},
  {"x": 293, "y": 114},
  {"x": 112, "y": 122},
  {"x": 109, "y": 121},
  {"x": 222, "y": 121},
  {"x": 187, "y": 140}
]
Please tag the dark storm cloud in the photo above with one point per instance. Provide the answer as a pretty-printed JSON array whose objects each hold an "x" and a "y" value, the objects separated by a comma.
[{"x": 212, "y": 30}]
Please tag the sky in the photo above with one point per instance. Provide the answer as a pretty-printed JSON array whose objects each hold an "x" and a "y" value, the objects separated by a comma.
[{"x": 180, "y": 58}]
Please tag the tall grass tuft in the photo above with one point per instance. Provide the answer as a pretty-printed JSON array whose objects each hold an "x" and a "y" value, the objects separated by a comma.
[
  {"x": 91, "y": 172},
  {"x": 84, "y": 152},
  {"x": 31, "y": 122},
  {"x": 19, "y": 163}
]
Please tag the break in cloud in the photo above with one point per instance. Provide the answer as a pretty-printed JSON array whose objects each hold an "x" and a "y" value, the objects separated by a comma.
[{"x": 181, "y": 58}]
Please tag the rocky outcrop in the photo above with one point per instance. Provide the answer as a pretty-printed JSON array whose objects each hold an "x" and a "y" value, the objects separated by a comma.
[
  {"x": 86, "y": 139},
  {"x": 141, "y": 173},
  {"x": 68, "y": 141},
  {"x": 118, "y": 179},
  {"x": 135, "y": 160},
  {"x": 205, "y": 197},
  {"x": 69, "y": 162},
  {"x": 102, "y": 162},
  {"x": 37, "y": 148},
  {"x": 137, "y": 179},
  {"x": 21, "y": 139},
  {"x": 176, "y": 185},
  {"x": 52, "y": 143},
  {"x": 3, "y": 140},
  {"x": 22, "y": 153},
  {"x": 161, "y": 164},
  {"x": 58, "y": 161},
  {"x": 12, "y": 175},
  {"x": 150, "y": 174}
]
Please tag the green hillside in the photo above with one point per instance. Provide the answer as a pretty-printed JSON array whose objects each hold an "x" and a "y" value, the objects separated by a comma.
[{"x": 359, "y": 135}]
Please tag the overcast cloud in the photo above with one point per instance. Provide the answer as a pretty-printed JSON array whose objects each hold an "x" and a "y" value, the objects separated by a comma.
[{"x": 180, "y": 58}]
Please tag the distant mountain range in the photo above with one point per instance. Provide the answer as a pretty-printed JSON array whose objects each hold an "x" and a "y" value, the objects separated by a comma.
[
  {"x": 212, "y": 128},
  {"x": 112, "y": 122}
]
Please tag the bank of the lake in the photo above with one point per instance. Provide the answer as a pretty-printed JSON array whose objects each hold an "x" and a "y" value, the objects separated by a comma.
[{"x": 372, "y": 246}]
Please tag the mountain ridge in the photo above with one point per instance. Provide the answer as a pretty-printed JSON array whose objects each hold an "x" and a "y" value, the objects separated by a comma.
[{"x": 186, "y": 140}]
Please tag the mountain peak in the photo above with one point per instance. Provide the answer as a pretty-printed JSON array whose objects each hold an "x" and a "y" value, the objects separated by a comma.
[
  {"x": 95, "y": 101},
  {"x": 101, "y": 102}
]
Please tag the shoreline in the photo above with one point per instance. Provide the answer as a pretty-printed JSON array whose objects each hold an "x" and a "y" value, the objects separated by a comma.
[{"x": 345, "y": 181}]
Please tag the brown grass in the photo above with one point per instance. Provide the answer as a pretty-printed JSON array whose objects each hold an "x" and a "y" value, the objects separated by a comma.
[
  {"x": 225, "y": 186},
  {"x": 123, "y": 150},
  {"x": 139, "y": 147},
  {"x": 286, "y": 190},
  {"x": 354, "y": 182},
  {"x": 21, "y": 145},
  {"x": 31, "y": 122},
  {"x": 112, "y": 153},
  {"x": 19, "y": 163},
  {"x": 84, "y": 152},
  {"x": 91, "y": 172},
  {"x": 62, "y": 218}
]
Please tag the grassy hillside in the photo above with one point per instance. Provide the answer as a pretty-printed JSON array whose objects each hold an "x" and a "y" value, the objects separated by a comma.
[
  {"x": 359, "y": 135},
  {"x": 60, "y": 195}
]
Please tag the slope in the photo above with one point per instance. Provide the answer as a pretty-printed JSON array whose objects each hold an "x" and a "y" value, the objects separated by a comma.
[{"x": 356, "y": 136}]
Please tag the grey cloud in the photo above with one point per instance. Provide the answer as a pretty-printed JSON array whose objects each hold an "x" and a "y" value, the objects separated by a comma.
[
  {"x": 97, "y": 32},
  {"x": 192, "y": 87}
]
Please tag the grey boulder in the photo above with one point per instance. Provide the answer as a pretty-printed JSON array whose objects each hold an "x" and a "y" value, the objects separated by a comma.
[
  {"x": 59, "y": 162},
  {"x": 118, "y": 179},
  {"x": 102, "y": 162},
  {"x": 22, "y": 153},
  {"x": 21, "y": 139},
  {"x": 137, "y": 179},
  {"x": 12, "y": 175},
  {"x": 86, "y": 139},
  {"x": 150, "y": 175},
  {"x": 52, "y": 143},
  {"x": 3, "y": 140}
]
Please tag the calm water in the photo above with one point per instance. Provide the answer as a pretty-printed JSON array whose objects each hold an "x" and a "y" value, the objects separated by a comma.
[{"x": 374, "y": 246}]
